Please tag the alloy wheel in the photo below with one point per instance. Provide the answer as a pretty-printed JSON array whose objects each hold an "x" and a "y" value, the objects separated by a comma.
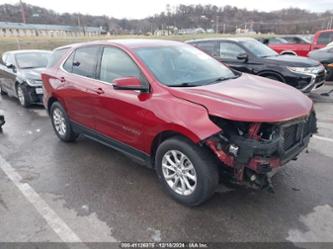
[
  {"x": 179, "y": 172},
  {"x": 20, "y": 95},
  {"x": 59, "y": 122}
]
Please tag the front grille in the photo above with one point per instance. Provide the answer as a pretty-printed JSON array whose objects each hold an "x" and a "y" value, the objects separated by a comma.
[{"x": 293, "y": 134}]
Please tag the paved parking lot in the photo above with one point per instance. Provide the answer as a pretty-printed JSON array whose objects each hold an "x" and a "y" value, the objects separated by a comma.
[{"x": 51, "y": 191}]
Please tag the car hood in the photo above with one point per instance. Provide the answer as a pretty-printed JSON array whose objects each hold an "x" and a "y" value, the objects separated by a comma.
[
  {"x": 322, "y": 56},
  {"x": 291, "y": 61},
  {"x": 249, "y": 98},
  {"x": 32, "y": 74}
]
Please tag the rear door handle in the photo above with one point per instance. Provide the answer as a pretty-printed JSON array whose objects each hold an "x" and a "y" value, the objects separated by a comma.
[{"x": 99, "y": 91}]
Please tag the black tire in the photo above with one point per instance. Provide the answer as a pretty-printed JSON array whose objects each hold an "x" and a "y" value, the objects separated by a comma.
[
  {"x": 1, "y": 91},
  {"x": 21, "y": 92},
  {"x": 272, "y": 77},
  {"x": 289, "y": 53},
  {"x": 67, "y": 135},
  {"x": 205, "y": 166}
]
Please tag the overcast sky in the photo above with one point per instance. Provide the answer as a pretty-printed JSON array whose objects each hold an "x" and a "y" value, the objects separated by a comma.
[{"x": 142, "y": 8}]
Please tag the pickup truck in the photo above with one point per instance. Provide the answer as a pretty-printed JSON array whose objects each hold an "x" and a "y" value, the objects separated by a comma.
[{"x": 303, "y": 47}]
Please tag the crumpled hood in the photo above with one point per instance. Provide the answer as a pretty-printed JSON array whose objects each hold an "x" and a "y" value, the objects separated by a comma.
[
  {"x": 249, "y": 98},
  {"x": 32, "y": 74}
]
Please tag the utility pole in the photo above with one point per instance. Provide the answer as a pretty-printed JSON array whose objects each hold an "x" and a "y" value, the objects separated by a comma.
[
  {"x": 223, "y": 28},
  {"x": 80, "y": 25},
  {"x": 23, "y": 12},
  {"x": 217, "y": 24},
  {"x": 331, "y": 22}
]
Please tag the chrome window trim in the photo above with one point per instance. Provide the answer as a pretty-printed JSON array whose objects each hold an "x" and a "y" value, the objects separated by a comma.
[{"x": 98, "y": 80}]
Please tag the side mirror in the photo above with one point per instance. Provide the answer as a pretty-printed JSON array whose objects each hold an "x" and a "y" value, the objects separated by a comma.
[
  {"x": 243, "y": 57},
  {"x": 10, "y": 66},
  {"x": 129, "y": 83}
]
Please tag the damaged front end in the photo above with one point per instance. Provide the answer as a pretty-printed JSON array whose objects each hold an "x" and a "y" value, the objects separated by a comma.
[{"x": 252, "y": 151}]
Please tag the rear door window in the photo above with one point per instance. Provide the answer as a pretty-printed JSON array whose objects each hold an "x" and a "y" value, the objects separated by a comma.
[{"x": 85, "y": 61}]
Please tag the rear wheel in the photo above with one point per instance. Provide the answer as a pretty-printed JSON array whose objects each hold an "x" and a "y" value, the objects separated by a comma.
[
  {"x": 187, "y": 172},
  {"x": 22, "y": 95},
  {"x": 61, "y": 123}
]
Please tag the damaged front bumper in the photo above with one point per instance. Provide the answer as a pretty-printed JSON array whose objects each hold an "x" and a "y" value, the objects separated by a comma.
[{"x": 250, "y": 156}]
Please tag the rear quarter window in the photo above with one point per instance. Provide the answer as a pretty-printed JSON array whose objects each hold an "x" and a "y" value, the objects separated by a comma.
[{"x": 56, "y": 56}]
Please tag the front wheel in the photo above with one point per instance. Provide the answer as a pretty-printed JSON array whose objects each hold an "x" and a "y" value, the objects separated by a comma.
[
  {"x": 61, "y": 123},
  {"x": 1, "y": 91},
  {"x": 188, "y": 172},
  {"x": 22, "y": 95}
]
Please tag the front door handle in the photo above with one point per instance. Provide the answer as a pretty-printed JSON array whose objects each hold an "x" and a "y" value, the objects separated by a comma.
[{"x": 99, "y": 91}]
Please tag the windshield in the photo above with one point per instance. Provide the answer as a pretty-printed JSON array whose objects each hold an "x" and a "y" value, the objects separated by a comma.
[
  {"x": 32, "y": 60},
  {"x": 183, "y": 66},
  {"x": 258, "y": 49}
]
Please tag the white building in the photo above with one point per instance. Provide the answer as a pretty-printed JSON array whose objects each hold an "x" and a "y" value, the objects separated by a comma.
[{"x": 22, "y": 29}]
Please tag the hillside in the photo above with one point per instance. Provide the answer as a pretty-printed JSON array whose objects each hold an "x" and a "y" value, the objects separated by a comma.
[{"x": 225, "y": 19}]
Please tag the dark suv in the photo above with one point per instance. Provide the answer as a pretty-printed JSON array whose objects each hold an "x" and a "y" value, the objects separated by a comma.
[
  {"x": 177, "y": 110},
  {"x": 251, "y": 56}
]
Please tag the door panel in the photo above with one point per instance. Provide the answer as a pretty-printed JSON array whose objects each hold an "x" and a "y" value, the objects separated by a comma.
[
  {"x": 120, "y": 113},
  {"x": 79, "y": 83},
  {"x": 78, "y": 100}
]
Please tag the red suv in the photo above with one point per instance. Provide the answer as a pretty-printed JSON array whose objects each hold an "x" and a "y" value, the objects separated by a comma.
[{"x": 176, "y": 109}]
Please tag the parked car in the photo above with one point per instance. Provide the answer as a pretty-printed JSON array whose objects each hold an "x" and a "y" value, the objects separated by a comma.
[
  {"x": 325, "y": 56},
  {"x": 20, "y": 75},
  {"x": 297, "y": 39},
  {"x": 176, "y": 109},
  {"x": 320, "y": 40},
  {"x": 272, "y": 40},
  {"x": 250, "y": 56}
]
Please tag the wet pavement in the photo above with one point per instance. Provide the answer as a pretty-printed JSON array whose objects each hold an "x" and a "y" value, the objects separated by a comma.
[{"x": 102, "y": 196}]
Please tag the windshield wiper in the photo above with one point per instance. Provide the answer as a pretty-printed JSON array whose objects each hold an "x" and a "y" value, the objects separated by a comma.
[
  {"x": 28, "y": 67},
  {"x": 185, "y": 84},
  {"x": 266, "y": 56},
  {"x": 223, "y": 79}
]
